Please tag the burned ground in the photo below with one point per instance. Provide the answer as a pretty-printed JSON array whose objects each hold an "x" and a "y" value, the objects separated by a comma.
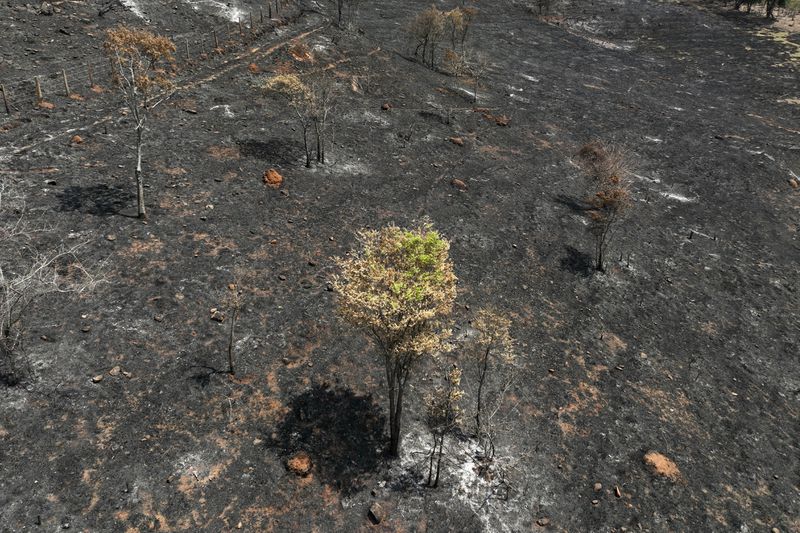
[{"x": 687, "y": 347}]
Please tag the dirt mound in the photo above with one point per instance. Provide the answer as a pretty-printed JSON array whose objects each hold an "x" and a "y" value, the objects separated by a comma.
[
  {"x": 299, "y": 464},
  {"x": 272, "y": 178},
  {"x": 662, "y": 465}
]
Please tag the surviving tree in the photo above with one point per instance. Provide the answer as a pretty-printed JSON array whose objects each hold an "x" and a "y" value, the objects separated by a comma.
[
  {"x": 27, "y": 274},
  {"x": 491, "y": 355},
  {"x": 442, "y": 415},
  {"x": 313, "y": 103},
  {"x": 399, "y": 286},
  {"x": 142, "y": 68},
  {"x": 610, "y": 196}
]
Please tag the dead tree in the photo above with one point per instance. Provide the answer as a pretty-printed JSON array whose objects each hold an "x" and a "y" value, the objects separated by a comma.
[
  {"x": 490, "y": 361},
  {"x": 313, "y": 103},
  {"x": 142, "y": 68},
  {"x": 443, "y": 415},
  {"x": 427, "y": 31},
  {"x": 27, "y": 274},
  {"x": 234, "y": 300},
  {"x": 609, "y": 194}
]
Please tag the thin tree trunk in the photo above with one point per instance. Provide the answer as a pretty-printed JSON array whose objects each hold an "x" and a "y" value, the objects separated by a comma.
[
  {"x": 430, "y": 463},
  {"x": 481, "y": 380},
  {"x": 318, "y": 135},
  {"x": 391, "y": 382},
  {"x": 398, "y": 407},
  {"x": 230, "y": 341},
  {"x": 139, "y": 179},
  {"x": 305, "y": 146},
  {"x": 439, "y": 461}
]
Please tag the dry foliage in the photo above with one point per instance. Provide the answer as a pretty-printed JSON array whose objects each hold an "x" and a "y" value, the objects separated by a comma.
[
  {"x": 430, "y": 27},
  {"x": 140, "y": 60},
  {"x": 427, "y": 30},
  {"x": 399, "y": 286}
]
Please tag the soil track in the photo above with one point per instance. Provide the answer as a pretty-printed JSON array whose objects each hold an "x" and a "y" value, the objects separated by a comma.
[{"x": 688, "y": 347}]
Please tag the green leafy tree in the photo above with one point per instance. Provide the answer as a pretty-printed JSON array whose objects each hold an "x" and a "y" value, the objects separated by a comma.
[{"x": 399, "y": 287}]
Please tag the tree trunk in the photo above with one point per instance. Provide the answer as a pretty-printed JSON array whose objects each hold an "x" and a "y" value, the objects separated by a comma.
[
  {"x": 398, "y": 415},
  {"x": 439, "y": 461},
  {"x": 318, "y": 135},
  {"x": 391, "y": 382},
  {"x": 430, "y": 463},
  {"x": 305, "y": 146},
  {"x": 479, "y": 403},
  {"x": 139, "y": 180},
  {"x": 230, "y": 341}
]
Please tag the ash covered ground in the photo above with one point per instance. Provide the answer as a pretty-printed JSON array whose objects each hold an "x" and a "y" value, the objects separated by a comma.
[{"x": 687, "y": 346}]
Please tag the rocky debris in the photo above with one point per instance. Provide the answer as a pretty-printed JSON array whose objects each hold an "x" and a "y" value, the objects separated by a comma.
[
  {"x": 111, "y": 237},
  {"x": 272, "y": 178},
  {"x": 386, "y": 106},
  {"x": 97, "y": 379},
  {"x": 158, "y": 318},
  {"x": 544, "y": 521},
  {"x": 617, "y": 492},
  {"x": 46, "y": 105},
  {"x": 459, "y": 184},
  {"x": 217, "y": 315},
  {"x": 794, "y": 183},
  {"x": 86, "y": 329},
  {"x": 76, "y": 139},
  {"x": 114, "y": 371},
  {"x": 458, "y": 141},
  {"x": 299, "y": 464},
  {"x": 46, "y": 9},
  {"x": 662, "y": 465},
  {"x": 598, "y": 487},
  {"x": 376, "y": 513}
]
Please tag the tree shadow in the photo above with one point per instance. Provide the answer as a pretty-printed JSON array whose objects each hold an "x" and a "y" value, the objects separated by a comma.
[
  {"x": 577, "y": 262},
  {"x": 277, "y": 151},
  {"x": 100, "y": 200},
  {"x": 341, "y": 432},
  {"x": 574, "y": 204}
]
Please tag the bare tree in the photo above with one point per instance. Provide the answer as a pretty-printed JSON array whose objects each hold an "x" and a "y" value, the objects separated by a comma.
[
  {"x": 26, "y": 275},
  {"x": 399, "y": 286},
  {"x": 141, "y": 64},
  {"x": 476, "y": 66},
  {"x": 443, "y": 415},
  {"x": 609, "y": 193}
]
